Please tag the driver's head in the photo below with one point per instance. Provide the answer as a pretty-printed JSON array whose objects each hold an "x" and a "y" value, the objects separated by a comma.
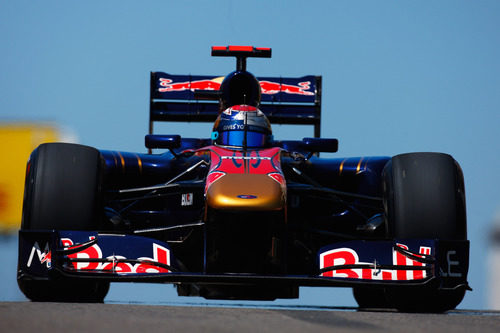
[{"x": 242, "y": 126}]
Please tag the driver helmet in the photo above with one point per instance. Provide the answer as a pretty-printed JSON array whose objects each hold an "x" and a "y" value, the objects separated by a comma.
[
  {"x": 238, "y": 88},
  {"x": 242, "y": 126}
]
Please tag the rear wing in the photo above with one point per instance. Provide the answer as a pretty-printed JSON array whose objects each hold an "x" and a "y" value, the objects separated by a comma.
[{"x": 284, "y": 100}]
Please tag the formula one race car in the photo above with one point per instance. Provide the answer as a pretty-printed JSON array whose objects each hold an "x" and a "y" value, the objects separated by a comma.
[{"x": 241, "y": 215}]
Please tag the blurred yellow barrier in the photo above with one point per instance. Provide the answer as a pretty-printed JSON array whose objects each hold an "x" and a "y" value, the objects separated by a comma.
[{"x": 17, "y": 141}]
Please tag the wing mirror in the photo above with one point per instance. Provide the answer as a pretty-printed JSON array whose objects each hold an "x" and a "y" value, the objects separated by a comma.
[
  {"x": 320, "y": 145},
  {"x": 163, "y": 141}
]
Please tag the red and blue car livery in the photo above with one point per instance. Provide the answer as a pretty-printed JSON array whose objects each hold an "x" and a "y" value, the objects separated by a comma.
[{"x": 240, "y": 214}]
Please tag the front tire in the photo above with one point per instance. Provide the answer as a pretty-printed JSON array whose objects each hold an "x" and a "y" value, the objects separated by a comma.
[
  {"x": 424, "y": 197},
  {"x": 371, "y": 297},
  {"x": 62, "y": 192}
]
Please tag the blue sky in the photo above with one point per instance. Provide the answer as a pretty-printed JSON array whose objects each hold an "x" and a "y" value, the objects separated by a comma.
[{"x": 398, "y": 76}]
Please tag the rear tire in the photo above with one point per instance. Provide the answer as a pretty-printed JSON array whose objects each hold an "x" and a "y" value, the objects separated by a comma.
[
  {"x": 424, "y": 197},
  {"x": 62, "y": 192}
]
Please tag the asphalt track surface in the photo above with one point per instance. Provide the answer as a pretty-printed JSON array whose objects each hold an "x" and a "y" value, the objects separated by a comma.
[{"x": 77, "y": 317}]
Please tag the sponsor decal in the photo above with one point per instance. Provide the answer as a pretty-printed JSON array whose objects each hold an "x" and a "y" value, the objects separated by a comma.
[
  {"x": 402, "y": 260},
  {"x": 187, "y": 199},
  {"x": 188, "y": 85},
  {"x": 160, "y": 255},
  {"x": 236, "y": 127},
  {"x": 113, "y": 265},
  {"x": 247, "y": 196},
  {"x": 267, "y": 87},
  {"x": 45, "y": 257},
  {"x": 271, "y": 88},
  {"x": 278, "y": 177},
  {"x": 347, "y": 256},
  {"x": 451, "y": 264}
]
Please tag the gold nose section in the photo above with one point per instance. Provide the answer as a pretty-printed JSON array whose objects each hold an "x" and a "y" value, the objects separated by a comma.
[{"x": 250, "y": 192}]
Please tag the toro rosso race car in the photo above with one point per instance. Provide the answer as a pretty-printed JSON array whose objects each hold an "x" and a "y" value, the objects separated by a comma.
[{"x": 239, "y": 214}]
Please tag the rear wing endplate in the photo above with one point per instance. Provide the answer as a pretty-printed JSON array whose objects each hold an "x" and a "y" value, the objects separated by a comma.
[{"x": 284, "y": 100}]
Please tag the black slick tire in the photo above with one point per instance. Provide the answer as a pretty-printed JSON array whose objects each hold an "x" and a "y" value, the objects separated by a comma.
[
  {"x": 371, "y": 297},
  {"x": 62, "y": 192},
  {"x": 424, "y": 197}
]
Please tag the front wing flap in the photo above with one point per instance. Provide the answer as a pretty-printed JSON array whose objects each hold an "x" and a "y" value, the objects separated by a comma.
[
  {"x": 84, "y": 253},
  {"x": 411, "y": 261},
  {"x": 44, "y": 254}
]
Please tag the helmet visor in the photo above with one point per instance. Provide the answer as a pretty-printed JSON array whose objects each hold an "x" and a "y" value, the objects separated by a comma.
[{"x": 237, "y": 139}]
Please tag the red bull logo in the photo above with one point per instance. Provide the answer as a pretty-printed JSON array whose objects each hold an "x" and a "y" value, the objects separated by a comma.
[
  {"x": 271, "y": 88},
  {"x": 117, "y": 263},
  {"x": 267, "y": 87},
  {"x": 347, "y": 256},
  {"x": 188, "y": 85},
  {"x": 112, "y": 264}
]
